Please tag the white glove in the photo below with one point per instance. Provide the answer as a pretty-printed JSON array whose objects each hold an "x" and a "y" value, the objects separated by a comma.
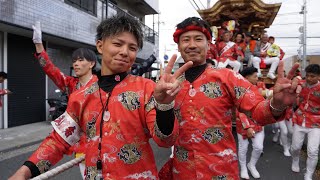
[{"x": 37, "y": 34}]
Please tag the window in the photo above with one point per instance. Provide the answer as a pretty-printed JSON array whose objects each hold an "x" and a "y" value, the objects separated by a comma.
[{"x": 89, "y": 6}]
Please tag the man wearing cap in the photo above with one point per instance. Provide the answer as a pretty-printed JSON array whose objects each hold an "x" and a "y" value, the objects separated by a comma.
[{"x": 205, "y": 147}]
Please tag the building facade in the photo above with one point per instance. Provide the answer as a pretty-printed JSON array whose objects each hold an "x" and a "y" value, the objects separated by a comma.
[{"x": 66, "y": 25}]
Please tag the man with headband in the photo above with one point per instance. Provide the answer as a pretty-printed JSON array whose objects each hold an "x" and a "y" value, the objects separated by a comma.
[{"x": 205, "y": 147}]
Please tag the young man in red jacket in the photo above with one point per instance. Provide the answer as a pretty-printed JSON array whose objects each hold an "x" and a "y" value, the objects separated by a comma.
[{"x": 307, "y": 122}]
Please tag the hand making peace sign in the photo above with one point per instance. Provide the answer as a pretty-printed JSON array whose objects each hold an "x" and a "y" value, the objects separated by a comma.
[
  {"x": 287, "y": 88},
  {"x": 168, "y": 86}
]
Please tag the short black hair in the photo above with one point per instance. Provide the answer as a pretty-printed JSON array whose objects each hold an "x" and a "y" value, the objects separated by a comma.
[
  {"x": 242, "y": 36},
  {"x": 3, "y": 74},
  {"x": 196, "y": 22},
  {"x": 313, "y": 68},
  {"x": 209, "y": 61},
  {"x": 248, "y": 71},
  {"x": 86, "y": 53},
  {"x": 248, "y": 34},
  {"x": 119, "y": 24},
  {"x": 271, "y": 37}
]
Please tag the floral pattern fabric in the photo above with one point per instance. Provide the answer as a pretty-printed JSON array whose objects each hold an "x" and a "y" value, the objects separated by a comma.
[
  {"x": 205, "y": 148},
  {"x": 308, "y": 112},
  {"x": 131, "y": 122},
  {"x": 68, "y": 84},
  {"x": 243, "y": 122}
]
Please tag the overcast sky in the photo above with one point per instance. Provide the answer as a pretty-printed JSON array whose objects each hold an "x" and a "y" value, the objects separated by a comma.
[{"x": 286, "y": 23}]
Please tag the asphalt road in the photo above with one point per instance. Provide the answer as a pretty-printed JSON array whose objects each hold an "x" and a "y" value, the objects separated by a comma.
[{"x": 273, "y": 165}]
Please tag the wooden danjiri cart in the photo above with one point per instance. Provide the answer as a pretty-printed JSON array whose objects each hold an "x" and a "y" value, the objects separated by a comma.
[{"x": 247, "y": 15}]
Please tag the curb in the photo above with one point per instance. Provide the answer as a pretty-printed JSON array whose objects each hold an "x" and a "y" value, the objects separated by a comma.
[{"x": 20, "y": 146}]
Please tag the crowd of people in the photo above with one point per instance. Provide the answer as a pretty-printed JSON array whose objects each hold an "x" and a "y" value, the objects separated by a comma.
[
  {"x": 245, "y": 51},
  {"x": 111, "y": 116}
]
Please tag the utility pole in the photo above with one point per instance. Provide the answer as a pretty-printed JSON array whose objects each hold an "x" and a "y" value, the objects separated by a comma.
[
  {"x": 304, "y": 59},
  {"x": 303, "y": 39},
  {"x": 107, "y": 5}
]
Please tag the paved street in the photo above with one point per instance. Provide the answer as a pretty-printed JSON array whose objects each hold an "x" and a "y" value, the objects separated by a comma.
[{"x": 272, "y": 166}]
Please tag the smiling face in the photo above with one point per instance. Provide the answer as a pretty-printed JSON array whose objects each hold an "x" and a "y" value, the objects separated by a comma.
[
  {"x": 193, "y": 46},
  {"x": 238, "y": 38},
  {"x": 82, "y": 67},
  {"x": 226, "y": 37},
  {"x": 118, "y": 53},
  {"x": 264, "y": 38},
  {"x": 312, "y": 78}
]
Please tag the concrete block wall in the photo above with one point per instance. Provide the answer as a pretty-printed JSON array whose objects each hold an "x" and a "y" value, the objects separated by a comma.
[{"x": 57, "y": 18}]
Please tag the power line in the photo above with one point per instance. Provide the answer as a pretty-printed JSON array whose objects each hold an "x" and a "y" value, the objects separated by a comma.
[
  {"x": 314, "y": 22},
  {"x": 202, "y": 4},
  {"x": 298, "y": 46},
  {"x": 193, "y": 5},
  {"x": 286, "y": 14},
  {"x": 196, "y": 4},
  {"x": 293, "y": 37}
]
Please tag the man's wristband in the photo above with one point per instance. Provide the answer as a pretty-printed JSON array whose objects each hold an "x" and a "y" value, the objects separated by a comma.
[
  {"x": 163, "y": 107},
  {"x": 276, "y": 109}
]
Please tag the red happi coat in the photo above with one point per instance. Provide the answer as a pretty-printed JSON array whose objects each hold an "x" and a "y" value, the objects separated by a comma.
[
  {"x": 205, "y": 148},
  {"x": 244, "y": 123},
  {"x": 212, "y": 53},
  {"x": 242, "y": 46},
  {"x": 126, "y": 152},
  {"x": 2, "y": 92},
  {"x": 229, "y": 51},
  {"x": 309, "y": 107},
  {"x": 289, "y": 113},
  {"x": 67, "y": 84}
]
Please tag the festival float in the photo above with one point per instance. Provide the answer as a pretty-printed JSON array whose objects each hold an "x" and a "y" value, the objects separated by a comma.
[{"x": 241, "y": 16}]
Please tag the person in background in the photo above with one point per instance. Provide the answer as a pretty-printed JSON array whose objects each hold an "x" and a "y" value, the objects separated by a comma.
[
  {"x": 275, "y": 49},
  {"x": 83, "y": 62},
  {"x": 205, "y": 147},
  {"x": 307, "y": 122},
  {"x": 248, "y": 129},
  {"x": 3, "y": 76},
  {"x": 263, "y": 59},
  {"x": 118, "y": 114},
  {"x": 239, "y": 40},
  {"x": 251, "y": 50},
  {"x": 212, "y": 55},
  {"x": 228, "y": 53}
]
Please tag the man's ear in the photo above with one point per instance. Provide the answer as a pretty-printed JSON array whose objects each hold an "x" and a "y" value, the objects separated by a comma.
[
  {"x": 99, "y": 44},
  {"x": 92, "y": 64}
]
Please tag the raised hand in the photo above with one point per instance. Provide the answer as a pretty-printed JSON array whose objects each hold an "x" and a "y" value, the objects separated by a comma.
[
  {"x": 286, "y": 88},
  {"x": 37, "y": 34},
  {"x": 168, "y": 85}
]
